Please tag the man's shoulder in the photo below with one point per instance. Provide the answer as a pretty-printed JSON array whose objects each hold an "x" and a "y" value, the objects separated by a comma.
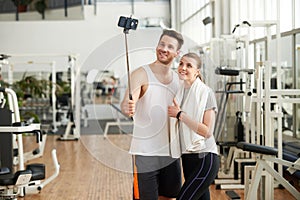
[
  {"x": 140, "y": 75},
  {"x": 140, "y": 70}
]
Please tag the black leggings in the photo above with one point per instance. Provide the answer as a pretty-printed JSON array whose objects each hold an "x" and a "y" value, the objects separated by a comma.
[{"x": 199, "y": 170}]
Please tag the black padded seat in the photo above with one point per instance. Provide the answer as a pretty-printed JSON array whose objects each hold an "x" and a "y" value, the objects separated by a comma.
[
  {"x": 294, "y": 144},
  {"x": 257, "y": 148},
  {"x": 11, "y": 179},
  {"x": 227, "y": 72},
  {"x": 4, "y": 170},
  {"x": 38, "y": 171}
]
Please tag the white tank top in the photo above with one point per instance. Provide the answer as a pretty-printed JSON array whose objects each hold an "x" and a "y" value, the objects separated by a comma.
[{"x": 151, "y": 128}]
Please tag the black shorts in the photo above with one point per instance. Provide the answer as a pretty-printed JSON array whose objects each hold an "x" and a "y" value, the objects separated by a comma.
[{"x": 156, "y": 176}]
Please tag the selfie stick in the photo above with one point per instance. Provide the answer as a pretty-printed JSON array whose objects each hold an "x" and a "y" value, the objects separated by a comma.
[{"x": 127, "y": 62}]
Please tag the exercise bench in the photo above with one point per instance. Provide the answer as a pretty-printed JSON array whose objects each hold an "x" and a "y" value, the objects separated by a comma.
[{"x": 268, "y": 155}]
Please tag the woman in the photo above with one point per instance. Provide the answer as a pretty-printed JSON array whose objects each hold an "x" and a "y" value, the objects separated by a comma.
[{"x": 192, "y": 123}]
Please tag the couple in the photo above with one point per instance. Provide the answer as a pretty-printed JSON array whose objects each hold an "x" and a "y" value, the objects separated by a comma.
[{"x": 174, "y": 116}]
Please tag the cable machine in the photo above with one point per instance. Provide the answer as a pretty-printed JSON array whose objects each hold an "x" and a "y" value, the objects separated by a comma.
[{"x": 73, "y": 69}]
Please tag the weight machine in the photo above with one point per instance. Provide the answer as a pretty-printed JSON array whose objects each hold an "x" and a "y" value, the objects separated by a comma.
[
  {"x": 73, "y": 73},
  {"x": 25, "y": 180},
  {"x": 71, "y": 127},
  {"x": 231, "y": 55},
  {"x": 258, "y": 113},
  {"x": 264, "y": 108},
  {"x": 265, "y": 156}
]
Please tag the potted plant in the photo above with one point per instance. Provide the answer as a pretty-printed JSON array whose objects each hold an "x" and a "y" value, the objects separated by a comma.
[
  {"x": 21, "y": 4},
  {"x": 29, "y": 87}
]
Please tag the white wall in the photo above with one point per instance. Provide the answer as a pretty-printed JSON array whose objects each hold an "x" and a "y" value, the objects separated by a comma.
[
  {"x": 71, "y": 37},
  {"x": 97, "y": 39}
]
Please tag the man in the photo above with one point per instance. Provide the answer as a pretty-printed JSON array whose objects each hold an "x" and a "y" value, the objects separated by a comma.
[{"x": 156, "y": 174}]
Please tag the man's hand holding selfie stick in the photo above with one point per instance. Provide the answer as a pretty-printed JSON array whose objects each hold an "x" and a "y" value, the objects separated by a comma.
[{"x": 128, "y": 23}]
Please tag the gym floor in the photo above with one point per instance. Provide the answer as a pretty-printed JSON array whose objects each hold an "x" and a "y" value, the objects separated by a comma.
[{"x": 94, "y": 168}]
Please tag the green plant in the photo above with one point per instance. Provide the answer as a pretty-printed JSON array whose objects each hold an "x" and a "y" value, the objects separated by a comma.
[
  {"x": 30, "y": 86},
  {"x": 30, "y": 115},
  {"x": 41, "y": 6},
  {"x": 63, "y": 87},
  {"x": 4, "y": 84}
]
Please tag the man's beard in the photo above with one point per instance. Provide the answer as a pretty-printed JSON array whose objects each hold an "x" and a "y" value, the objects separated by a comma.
[{"x": 165, "y": 61}]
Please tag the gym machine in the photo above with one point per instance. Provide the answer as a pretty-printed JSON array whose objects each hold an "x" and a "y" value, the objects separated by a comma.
[
  {"x": 266, "y": 155},
  {"x": 71, "y": 133},
  {"x": 237, "y": 78},
  {"x": 266, "y": 107},
  {"x": 25, "y": 180}
]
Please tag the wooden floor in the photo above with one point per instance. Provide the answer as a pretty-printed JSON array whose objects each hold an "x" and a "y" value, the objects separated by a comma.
[{"x": 95, "y": 168}]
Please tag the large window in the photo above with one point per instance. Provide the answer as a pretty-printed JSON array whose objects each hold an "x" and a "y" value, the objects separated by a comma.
[
  {"x": 297, "y": 11},
  {"x": 286, "y": 15},
  {"x": 297, "y": 65},
  {"x": 227, "y": 14},
  {"x": 192, "y": 14}
]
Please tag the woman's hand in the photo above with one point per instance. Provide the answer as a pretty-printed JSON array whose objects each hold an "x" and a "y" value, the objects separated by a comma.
[{"x": 173, "y": 110}]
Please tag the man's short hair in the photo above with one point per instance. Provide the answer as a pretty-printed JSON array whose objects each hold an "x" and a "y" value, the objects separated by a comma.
[{"x": 173, "y": 34}]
